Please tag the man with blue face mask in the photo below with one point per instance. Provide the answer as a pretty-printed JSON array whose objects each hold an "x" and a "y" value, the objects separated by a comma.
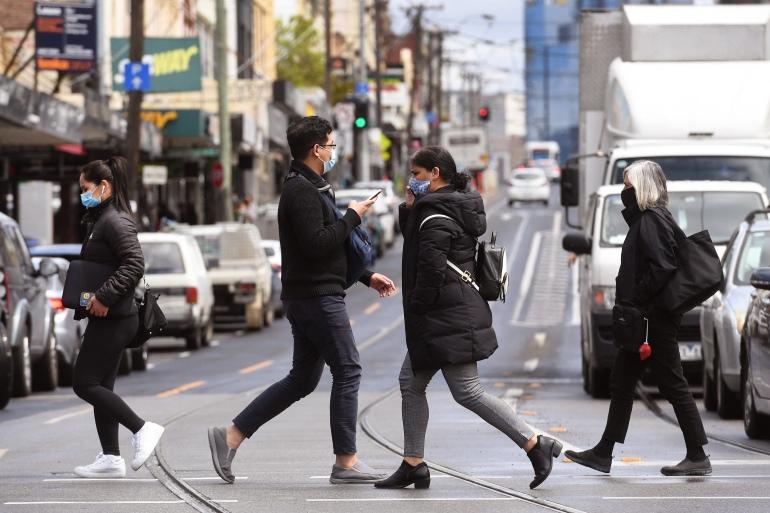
[{"x": 314, "y": 268}]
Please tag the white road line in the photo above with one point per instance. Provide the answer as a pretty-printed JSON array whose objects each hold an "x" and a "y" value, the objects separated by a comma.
[
  {"x": 66, "y": 416},
  {"x": 184, "y": 354},
  {"x": 150, "y": 366},
  {"x": 658, "y": 477},
  {"x": 529, "y": 272},
  {"x": 215, "y": 343},
  {"x": 531, "y": 364},
  {"x": 507, "y": 216},
  {"x": 540, "y": 338},
  {"x": 517, "y": 239},
  {"x": 418, "y": 499},
  {"x": 439, "y": 476},
  {"x": 127, "y": 479},
  {"x": 47, "y": 503},
  {"x": 574, "y": 318},
  {"x": 687, "y": 498},
  {"x": 556, "y": 226}
]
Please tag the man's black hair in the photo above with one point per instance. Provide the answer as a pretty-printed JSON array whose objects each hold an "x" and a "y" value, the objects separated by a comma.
[{"x": 304, "y": 133}]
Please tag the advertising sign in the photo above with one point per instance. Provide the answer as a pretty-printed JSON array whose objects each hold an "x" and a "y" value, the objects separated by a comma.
[
  {"x": 175, "y": 63},
  {"x": 65, "y": 35}
]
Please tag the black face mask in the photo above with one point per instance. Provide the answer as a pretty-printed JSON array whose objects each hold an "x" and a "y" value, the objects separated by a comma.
[{"x": 628, "y": 197}]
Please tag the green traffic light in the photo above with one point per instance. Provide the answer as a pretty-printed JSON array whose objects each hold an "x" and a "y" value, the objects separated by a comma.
[{"x": 360, "y": 122}]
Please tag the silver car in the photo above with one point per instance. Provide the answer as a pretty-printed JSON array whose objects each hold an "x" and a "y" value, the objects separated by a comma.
[{"x": 723, "y": 316}]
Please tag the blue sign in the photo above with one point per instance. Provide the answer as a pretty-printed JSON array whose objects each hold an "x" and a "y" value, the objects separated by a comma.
[
  {"x": 362, "y": 88},
  {"x": 431, "y": 117},
  {"x": 137, "y": 77}
]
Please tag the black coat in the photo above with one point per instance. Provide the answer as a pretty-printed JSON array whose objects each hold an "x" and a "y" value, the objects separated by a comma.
[
  {"x": 111, "y": 239},
  {"x": 648, "y": 258},
  {"x": 446, "y": 320}
]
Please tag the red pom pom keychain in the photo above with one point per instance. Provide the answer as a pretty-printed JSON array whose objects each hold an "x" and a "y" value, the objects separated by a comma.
[{"x": 645, "y": 350}]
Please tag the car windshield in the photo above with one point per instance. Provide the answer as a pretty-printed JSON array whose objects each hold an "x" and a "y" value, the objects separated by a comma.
[
  {"x": 718, "y": 212},
  {"x": 739, "y": 169},
  {"x": 268, "y": 251},
  {"x": 209, "y": 245},
  {"x": 527, "y": 176},
  {"x": 162, "y": 258},
  {"x": 755, "y": 253}
]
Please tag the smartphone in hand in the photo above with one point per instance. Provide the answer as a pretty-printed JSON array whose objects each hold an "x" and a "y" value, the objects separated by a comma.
[{"x": 374, "y": 195}]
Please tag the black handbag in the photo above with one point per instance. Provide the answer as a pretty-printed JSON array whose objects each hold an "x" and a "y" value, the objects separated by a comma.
[
  {"x": 628, "y": 328},
  {"x": 152, "y": 321},
  {"x": 698, "y": 276}
]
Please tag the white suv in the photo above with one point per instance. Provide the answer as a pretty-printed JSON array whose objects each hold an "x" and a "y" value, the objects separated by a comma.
[{"x": 174, "y": 268}]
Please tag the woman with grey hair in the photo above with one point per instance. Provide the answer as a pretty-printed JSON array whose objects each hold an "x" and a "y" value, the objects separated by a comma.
[{"x": 648, "y": 261}]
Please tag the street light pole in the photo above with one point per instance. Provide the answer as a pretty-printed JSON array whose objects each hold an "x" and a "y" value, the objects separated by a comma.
[
  {"x": 225, "y": 143},
  {"x": 133, "y": 130},
  {"x": 363, "y": 141}
]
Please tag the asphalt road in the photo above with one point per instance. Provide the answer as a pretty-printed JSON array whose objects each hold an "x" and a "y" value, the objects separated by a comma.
[{"x": 285, "y": 466}]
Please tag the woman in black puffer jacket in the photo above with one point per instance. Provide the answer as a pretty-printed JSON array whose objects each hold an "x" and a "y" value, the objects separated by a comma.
[
  {"x": 111, "y": 239},
  {"x": 448, "y": 323}
]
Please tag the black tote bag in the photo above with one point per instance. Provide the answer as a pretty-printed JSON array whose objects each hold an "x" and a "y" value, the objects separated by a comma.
[{"x": 698, "y": 276}]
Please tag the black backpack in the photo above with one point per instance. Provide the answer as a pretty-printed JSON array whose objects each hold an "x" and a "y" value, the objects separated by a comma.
[{"x": 491, "y": 280}]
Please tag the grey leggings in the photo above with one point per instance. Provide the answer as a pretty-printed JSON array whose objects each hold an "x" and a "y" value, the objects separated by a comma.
[{"x": 463, "y": 381}]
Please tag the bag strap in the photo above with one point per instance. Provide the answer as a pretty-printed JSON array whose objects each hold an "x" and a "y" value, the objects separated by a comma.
[{"x": 465, "y": 276}]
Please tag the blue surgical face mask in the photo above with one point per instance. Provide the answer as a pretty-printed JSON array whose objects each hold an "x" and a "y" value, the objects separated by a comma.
[
  {"x": 88, "y": 200},
  {"x": 329, "y": 164},
  {"x": 419, "y": 187}
]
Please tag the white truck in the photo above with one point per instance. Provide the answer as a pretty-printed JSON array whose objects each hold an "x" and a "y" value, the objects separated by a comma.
[
  {"x": 469, "y": 147},
  {"x": 686, "y": 86}
]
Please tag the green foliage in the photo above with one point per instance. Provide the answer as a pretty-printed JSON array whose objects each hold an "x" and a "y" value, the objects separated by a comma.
[{"x": 300, "y": 52}]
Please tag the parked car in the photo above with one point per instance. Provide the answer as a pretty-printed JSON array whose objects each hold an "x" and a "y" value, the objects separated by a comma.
[
  {"x": 549, "y": 166},
  {"x": 372, "y": 224},
  {"x": 239, "y": 272},
  {"x": 133, "y": 359},
  {"x": 6, "y": 361},
  {"x": 528, "y": 184},
  {"x": 722, "y": 316},
  {"x": 174, "y": 268},
  {"x": 697, "y": 205},
  {"x": 30, "y": 316},
  {"x": 68, "y": 331},
  {"x": 389, "y": 196},
  {"x": 272, "y": 250},
  {"x": 755, "y": 358},
  {"x": 380, "y": 209}
]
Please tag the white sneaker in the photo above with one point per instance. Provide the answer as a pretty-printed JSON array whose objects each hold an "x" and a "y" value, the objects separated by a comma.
[
  {"x": 105, "y": 465},
  {"x": 144, "y": 443}
]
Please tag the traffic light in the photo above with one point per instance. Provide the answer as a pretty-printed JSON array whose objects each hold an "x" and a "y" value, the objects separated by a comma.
[
  {"x": 362, "y": 114},
  {"x": 484, "y": 113}
]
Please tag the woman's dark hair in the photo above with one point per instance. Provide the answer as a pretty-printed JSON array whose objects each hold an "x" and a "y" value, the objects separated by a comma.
[
  {"x": 436, "y": 156},
  {"x": 115, "y": 171}
]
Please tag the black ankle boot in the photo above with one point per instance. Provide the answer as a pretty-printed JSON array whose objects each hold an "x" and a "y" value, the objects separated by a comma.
[
  {"x": 591, "y": 460},
  {"x": 541, "y": 457},
  {"x": 406, "y": 475}
]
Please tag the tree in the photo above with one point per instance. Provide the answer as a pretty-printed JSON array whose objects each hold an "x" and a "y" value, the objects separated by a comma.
[{"x": 299, "y": 59}]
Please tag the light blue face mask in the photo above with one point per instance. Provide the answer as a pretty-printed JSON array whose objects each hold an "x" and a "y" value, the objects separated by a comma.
[
  {"x": 419, "y": 187},
  {"x": 329, "y": 164},
  {"x": 88, "y": 200}
]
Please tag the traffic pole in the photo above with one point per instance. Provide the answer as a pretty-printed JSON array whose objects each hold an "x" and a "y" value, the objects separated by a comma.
[
  {"x": 225, "y": 143},
  {"x": 133, "y": 135}
]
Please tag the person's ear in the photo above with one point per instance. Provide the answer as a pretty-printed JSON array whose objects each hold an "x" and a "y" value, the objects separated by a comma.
[{"x": 437, "y": 172}]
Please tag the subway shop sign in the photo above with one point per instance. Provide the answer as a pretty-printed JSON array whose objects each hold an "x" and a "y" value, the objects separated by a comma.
[{"x": 175, "y": 63}]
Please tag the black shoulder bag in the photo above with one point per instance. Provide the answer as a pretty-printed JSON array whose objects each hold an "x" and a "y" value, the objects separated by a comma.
[{"x": 152, "y": 322}]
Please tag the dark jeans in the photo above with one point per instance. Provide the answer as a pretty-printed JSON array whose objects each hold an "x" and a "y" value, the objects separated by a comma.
[
  {"x": 667, "y": 369},
  {"x": 95, "y": 372},
  {"x": 322, "y": 334}
]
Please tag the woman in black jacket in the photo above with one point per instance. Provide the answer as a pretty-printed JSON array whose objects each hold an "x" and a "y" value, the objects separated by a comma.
[
  {"x": 448, "y": 323},
  {"x": 648, "y": 260},
  {"x": 111, "y": 239}
]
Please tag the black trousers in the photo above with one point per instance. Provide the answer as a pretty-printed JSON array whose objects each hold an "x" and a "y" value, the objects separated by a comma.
[
  {"x": 322, "y": 335},
  {"x": 666, "y": 365},
  {"x": 95, "y": 371}
]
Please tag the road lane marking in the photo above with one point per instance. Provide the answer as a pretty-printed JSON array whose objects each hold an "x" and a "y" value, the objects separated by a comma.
[
  {"x": 372, "y": 308},
  {"x": 439, "y": 476},
  {"x": 66, "y": 416},
  {"x": 257, "y": 366},
  {"x": 540, "y": 338},
  {"x": 214, "y": 343},
  {"x": 689, "y": 498},
  {"x": 384, "y": 331},
  {"x": 48, "y": 503},
  {"x": 184, "y": 354},
  {"x": 529, "y": 273},
  {"x": 128, "y": 479},
  {"x": 531, "y": 364},
  {"x": 419, "y": 499},
  {"x": 558, "y": 429},
  {"x": 3, "y": 452},
  {"x": 556, "y": 227},
  {"x": 631, "y": 459},
  {"x": 150, "y": 366},
  {"x": 182, "y": 388}
]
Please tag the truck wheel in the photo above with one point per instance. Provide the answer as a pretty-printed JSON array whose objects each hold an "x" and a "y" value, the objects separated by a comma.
[
  {"x": 728, "y": 406},
  {"x": 126, "y": 362},
  {"x": 140, "y": 357},
  {"x": 22, "y": 367},
  {"x": 6, "y": 368},
  {"x": 207, "y": 332},
  {"x": 193, "y": 339},
  {"x": 46, "y": 371},
  {"x": 255, "y": 317},
  {"x": 755, "y": 424}
]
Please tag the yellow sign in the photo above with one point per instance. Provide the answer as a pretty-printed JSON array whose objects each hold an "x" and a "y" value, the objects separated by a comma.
[{"x": 160, "y": 118}]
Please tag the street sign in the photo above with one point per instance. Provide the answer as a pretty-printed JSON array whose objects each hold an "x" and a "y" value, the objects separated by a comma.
[
  {"x": 345, "y": 113},
  {"x": 154, "y": 175},
  {"x": 137, "y": 77},
  {"x": 65, "y": 35},
  {"x": 175, "y": 63},
  {"x": 362, "y": 88},
  {"x": 217, "y": 175}
]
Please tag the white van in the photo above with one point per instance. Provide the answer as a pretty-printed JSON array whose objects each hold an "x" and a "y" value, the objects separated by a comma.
[
  {"x": 174, "y": 268},
  {"x": 718, "y": 206}
]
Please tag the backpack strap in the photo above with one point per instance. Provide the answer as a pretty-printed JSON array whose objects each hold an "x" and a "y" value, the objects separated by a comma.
[{"x": 465, "y": 276}]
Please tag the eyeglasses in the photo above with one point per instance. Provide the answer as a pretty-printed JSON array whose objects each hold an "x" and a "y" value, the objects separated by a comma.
[{"x": 332, "y": 146}]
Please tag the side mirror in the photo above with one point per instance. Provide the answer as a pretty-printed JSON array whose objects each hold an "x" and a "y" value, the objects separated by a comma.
[
  {"x": 577, "y": 243},
  {"x": 760, "y": 278},
  {"x": 570, "y": 185},
  {"x": 48, "y": 268}
]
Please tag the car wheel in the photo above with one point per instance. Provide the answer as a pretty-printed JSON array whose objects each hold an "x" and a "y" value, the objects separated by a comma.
[
  {"x": 586, "y": 383},
  {"x": 755, "y": 424},
  {"x": 709, "y": 391},
  {"x": 599, "y": 383},
  {"x": 546, "y": 203},
  {"x": 510, "y": 203},
  {"x": 46, "y": 371},
  {"x": 67, "y": 370},
  {"x": 269, "y": 314},
  {"x": 22, "y": 367},
  {"x": 139, "y": 358},
  {"x": 255, "y": 317},
  {"x": 207, "y": 334},
  {"x": 193, "y": 339},
  {"x": 6, "y": 368},
  {"x": 728, "y": 406},
  {"x": 126, "y": 363}
]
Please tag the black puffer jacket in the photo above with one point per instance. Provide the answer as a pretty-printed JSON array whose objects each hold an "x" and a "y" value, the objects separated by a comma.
[
  {"x": 111, "y": 239},
  {"x": 649, "y": 256},
  {"x": 446, "y": 320}
]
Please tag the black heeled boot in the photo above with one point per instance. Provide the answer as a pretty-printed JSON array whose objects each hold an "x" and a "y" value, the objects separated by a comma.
[
  {"x": 542, "y": 456},
  {"x": 406, "y": 475}
]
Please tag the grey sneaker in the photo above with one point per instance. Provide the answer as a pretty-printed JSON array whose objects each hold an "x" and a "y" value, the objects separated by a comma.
[
  {"x": 687, "y": 467},
  {"x": 360, "y": 473},
  {"x": 221, "y": 454}
]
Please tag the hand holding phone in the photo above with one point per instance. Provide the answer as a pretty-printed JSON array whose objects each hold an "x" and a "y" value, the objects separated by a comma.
[{"x": 374, "y": 195}]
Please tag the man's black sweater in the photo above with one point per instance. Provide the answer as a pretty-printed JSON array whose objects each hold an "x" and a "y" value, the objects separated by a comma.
[{"x": 313, "y": 258}]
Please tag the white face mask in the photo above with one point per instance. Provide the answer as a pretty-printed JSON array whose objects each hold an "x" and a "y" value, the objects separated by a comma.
[{"x": 329, "y": 164}]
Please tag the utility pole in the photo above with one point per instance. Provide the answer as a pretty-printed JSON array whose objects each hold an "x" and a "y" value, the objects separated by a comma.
[
  {"x": 439, "y": 86},
  {"x": 546, "y": 96},
  {"x": 416, "y": 68},
  {"x": 429, "y": 106},
  {"x": 225, "y": 142},
  {"x": 378, "y": 6},
  {"x": 328, "y": 40},
  {"x": 362, "y": 157},
  {"x": 135, "y": 54}
]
